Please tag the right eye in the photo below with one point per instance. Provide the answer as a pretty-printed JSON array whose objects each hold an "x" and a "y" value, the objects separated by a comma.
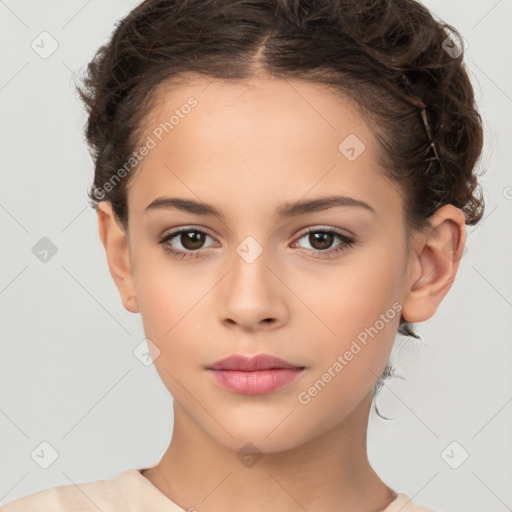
[{"x": 190, "y": 239}]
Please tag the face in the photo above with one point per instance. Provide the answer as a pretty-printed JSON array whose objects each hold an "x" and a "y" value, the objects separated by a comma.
[{"x": 320, "y": 288}]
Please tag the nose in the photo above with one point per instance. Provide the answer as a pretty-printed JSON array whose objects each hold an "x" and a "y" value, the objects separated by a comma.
[{"x": 253, "y": 296}]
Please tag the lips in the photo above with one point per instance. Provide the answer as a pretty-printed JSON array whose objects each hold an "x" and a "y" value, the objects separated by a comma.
[
  {"x": 250, "y": 364},
  {"x": 255, "y": 375}
]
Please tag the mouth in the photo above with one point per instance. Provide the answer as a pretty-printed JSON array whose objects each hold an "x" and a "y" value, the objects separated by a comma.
[
  {"x": 256, "y": 375},
  {"x": 240, "y": 362}
]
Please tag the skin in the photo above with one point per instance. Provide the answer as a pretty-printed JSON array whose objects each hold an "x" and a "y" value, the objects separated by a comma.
[{"x": 246, "y": 148}]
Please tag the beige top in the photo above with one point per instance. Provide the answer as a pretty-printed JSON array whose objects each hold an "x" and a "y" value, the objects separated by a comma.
[{"x": 129, "y": 491}]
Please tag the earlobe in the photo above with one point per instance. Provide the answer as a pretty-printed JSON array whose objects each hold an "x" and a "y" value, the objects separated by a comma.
[
  {"x": 436, "y": 261},
  {"x": 115, "y": 241}
]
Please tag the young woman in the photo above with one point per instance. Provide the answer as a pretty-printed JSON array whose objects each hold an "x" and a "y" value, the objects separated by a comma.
[{"x": 281, "y": 187}]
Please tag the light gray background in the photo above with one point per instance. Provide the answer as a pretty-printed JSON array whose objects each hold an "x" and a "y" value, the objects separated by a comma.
[{"x": 68, "y": 375}]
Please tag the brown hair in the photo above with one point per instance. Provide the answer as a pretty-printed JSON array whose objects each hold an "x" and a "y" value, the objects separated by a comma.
[{"x": 403, "y": 70}]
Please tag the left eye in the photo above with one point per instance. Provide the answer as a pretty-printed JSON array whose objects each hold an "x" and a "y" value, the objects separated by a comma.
[
  {"x": 191, "y": 240},
  {"x": 323, "y": 239}
]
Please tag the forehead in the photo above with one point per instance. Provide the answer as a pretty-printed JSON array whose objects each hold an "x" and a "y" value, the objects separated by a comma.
[{"x": 259, "y": 141}]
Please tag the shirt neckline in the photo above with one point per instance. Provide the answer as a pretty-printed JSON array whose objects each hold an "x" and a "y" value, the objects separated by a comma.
[
  {"x": 400, "y": 499},
  {"x": 156, "y": 494}
]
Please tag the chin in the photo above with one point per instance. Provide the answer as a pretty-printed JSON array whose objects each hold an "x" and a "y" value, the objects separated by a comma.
[{"x": 255, "y": 439}]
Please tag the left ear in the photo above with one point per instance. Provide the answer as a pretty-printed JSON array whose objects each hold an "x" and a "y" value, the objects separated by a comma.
[{"x": 436, "y": 261}]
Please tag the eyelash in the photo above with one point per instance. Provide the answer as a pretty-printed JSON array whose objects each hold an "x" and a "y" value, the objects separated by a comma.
[{"x": 346, "y": 243}]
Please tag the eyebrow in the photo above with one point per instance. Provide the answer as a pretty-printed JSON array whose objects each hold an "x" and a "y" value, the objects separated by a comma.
[{"x": 284, "y": 211}]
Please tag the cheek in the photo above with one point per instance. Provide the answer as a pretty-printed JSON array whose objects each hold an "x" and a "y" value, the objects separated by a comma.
[
  {"x": 166, "y": 290},
  {"x": 354, "y": 295},
  {"x": 170, "y": 316},
  {"x": 169, "y": 310},
  {"x": 359, "y": 308},
  {"x": 172, "y": 301},
  {"x": 349, "y": 360}
]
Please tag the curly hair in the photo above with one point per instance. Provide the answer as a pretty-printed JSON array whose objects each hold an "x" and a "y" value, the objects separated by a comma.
[{"x": 402, "y": 68}]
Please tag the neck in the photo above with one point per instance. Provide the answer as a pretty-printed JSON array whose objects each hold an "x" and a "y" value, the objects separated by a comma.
[{"x": 330, "y": 472}]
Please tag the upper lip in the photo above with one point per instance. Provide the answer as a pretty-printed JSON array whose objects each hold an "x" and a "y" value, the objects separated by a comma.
[{"x": 248, "y": 364}]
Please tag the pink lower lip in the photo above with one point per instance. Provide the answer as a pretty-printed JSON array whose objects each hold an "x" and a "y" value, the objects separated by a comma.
[{"x": 257, "y": 382}]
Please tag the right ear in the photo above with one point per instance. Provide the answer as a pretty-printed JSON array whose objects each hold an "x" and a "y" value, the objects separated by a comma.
[{"x": 115, "y": 241}]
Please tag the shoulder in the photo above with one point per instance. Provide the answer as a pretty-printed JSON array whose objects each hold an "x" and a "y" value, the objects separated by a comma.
[{"x": 104, "y": 495}]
